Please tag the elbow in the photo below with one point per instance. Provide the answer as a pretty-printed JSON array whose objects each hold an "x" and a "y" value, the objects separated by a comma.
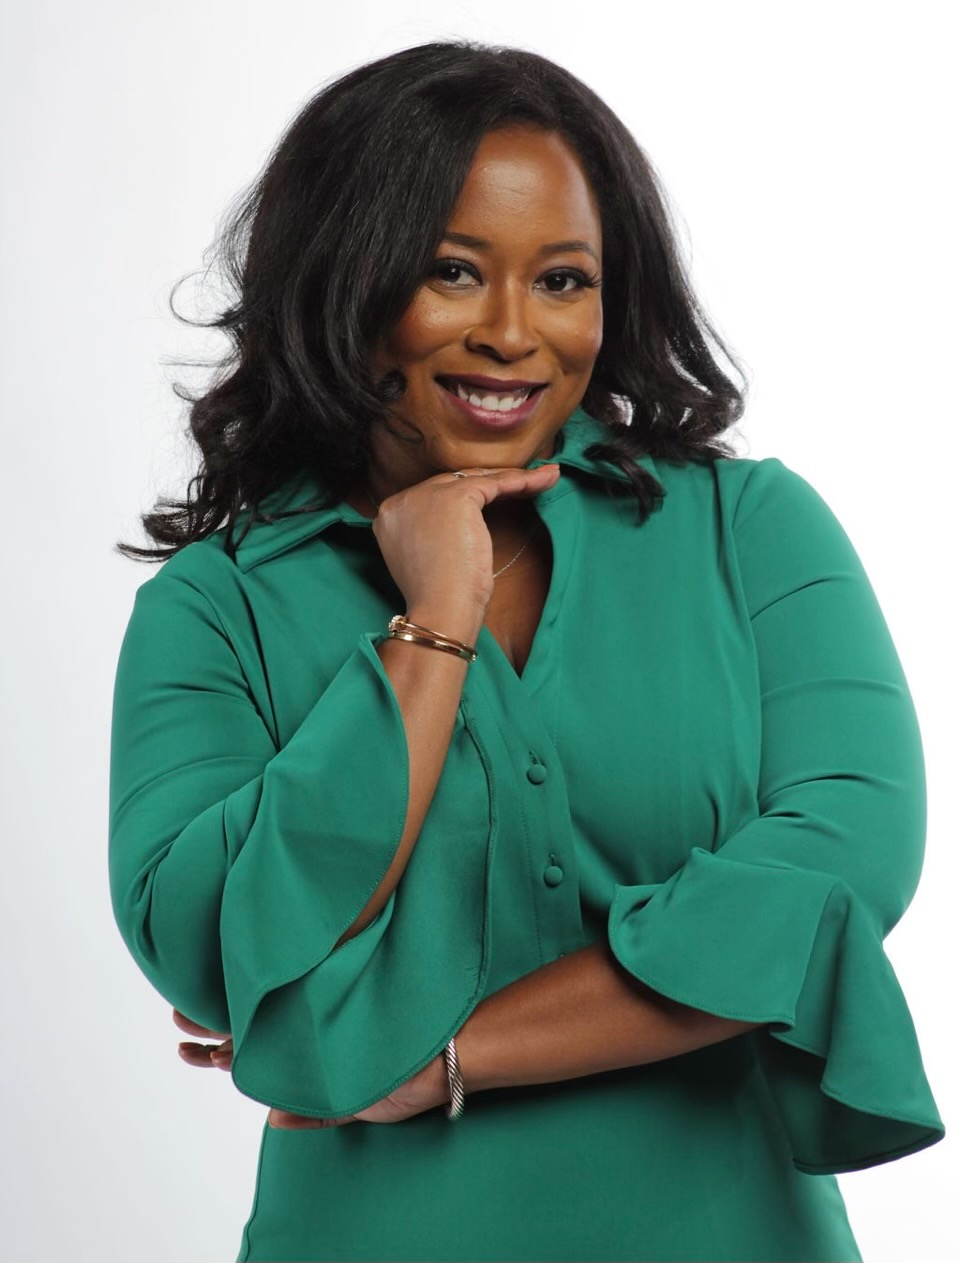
[{"x": 180, "y": 958}]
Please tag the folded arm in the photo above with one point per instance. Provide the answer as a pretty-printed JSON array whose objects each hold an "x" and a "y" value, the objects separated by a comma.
[
  {"x": 578, "y": 1015},
  {"x": 780, "y": 927}
]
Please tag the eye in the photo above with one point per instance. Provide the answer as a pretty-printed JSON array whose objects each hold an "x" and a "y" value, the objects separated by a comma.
[
  {"x": 580, "y": 281},
  {"x": 450, "y": 271}
]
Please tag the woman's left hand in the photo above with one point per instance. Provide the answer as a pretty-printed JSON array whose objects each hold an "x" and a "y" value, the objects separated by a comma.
[{"x": 427, "y": 1089}]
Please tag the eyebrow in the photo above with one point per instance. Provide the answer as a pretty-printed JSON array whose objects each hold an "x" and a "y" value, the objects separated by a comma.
[{"x": 554, "y": 247}]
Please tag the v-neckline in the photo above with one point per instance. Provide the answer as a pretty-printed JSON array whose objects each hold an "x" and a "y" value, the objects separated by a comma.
[
  {"x": 526, "y": 596},
  {"x": 536, "y": 669}
]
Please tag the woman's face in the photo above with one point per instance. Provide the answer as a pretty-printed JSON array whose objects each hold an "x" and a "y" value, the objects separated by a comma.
[{"x": 511, "y": 305}]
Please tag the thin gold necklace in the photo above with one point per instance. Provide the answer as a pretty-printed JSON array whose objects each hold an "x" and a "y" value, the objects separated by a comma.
[{"x": 497, "y": 573}]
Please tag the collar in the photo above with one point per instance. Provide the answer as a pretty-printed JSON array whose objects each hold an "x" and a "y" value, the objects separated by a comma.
[{"x": 265, "y": 540}]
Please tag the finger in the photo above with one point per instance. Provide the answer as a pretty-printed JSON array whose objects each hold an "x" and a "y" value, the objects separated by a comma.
[
  {"x": 488, "y": 484},
  {"x": 204, "y": 1055},
  {"x": 474, "y": 471},
  {"x": 197, "y": 1054},
  {"x": 301, "y": 1122},
  {"x": 194, "y": 1028},
  {"x": 222, "y": 1057},
  {"x": 511, "y": 482}
]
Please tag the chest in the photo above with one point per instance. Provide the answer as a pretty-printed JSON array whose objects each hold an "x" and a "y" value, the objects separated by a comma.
[
  {"x": 519, "y": 595},
  {"x": 643, "y": 703}
]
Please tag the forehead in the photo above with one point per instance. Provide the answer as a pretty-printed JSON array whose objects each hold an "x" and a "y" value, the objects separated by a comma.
[{"x": 523, "y": 179}]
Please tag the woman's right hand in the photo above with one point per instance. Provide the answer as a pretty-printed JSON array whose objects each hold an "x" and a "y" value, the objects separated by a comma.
[
  {"x": 435, "y": 541},
  {"x": 219, "y": 1054}
]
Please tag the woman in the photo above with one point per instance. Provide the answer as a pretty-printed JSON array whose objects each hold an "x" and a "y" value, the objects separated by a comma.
[{"x": 605, "y": 833}]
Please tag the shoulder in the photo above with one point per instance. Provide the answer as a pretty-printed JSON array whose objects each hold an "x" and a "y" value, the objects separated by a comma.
[
  {"x": 774, "y": 507},
  {"x": 754, "y": 486},
  {"x": 749, "y": 492},
  {"x": 200, "y": 578},
  {"x": 741, "y": 482},
  {"x": 761, "y": 513}
]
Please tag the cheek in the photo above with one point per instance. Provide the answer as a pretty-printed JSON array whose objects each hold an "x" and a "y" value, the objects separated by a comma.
[
  {"x": 424, "y": 327},
  {"x": 578, "y": 339}
]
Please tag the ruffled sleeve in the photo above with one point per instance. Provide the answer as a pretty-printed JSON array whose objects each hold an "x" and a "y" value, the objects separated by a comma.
[
  {"x": 237, "y": 861},
  {"x": 783, "y": 924}
]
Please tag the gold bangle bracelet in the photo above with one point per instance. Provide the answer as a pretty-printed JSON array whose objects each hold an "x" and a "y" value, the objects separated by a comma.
[
  {"x": 400, "y": 628},
  {"x": 401, "y": 620}
]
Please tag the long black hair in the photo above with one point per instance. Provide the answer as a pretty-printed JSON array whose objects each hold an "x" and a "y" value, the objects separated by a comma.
[{"x": 328, "y": 245}]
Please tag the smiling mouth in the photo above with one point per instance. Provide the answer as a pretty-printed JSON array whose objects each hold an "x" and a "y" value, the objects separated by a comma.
[{"x": 487, "y": 398}]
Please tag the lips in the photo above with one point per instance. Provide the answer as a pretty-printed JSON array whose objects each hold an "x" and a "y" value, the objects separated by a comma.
[
  {"x": 490, "y": 393},
  {"x": 491, "y": 383},
  {"x": 492, "y": 402}
]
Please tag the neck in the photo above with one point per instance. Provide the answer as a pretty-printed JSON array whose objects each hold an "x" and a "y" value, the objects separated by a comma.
[{"x": 510, "y": 519}]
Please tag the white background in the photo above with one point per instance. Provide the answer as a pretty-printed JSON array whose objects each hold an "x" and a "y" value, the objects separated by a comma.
[{"x": 809, "y": 153}]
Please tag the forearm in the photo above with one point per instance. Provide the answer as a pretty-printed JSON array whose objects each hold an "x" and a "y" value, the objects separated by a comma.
[
  {"x": 578, "y": 1015},
  {"x": 428, "y": 684}
]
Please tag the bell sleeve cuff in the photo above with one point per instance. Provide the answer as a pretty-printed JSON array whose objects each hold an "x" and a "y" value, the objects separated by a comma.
[
  {"x": 796, "y": 952},
  {"x": 326, "y": 1030},
  {"x": 237, "y": 860},
  {"x": 781, "y": 922}
]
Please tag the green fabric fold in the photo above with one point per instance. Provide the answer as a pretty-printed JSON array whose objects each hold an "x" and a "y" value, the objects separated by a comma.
[
  {"x": 324, "y": 1030},
  {"x": 238, "y": 857},
  {"x": 794, "y": 950}
]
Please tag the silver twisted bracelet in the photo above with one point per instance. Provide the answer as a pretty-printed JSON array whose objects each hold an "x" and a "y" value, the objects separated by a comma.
[{"x": 455, "y": 1108}]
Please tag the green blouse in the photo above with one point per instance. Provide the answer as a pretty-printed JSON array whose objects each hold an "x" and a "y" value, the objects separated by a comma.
[{"x": 711, "y": 757}]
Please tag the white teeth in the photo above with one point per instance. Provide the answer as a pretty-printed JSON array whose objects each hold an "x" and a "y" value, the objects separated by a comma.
[{"x": 503, "y": 402}]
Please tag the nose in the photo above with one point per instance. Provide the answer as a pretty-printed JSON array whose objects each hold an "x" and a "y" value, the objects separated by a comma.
[{"x": 505, "y": 326}]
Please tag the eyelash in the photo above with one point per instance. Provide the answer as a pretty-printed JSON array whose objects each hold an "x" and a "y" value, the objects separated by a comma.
[{"x": 584, "y": 281}]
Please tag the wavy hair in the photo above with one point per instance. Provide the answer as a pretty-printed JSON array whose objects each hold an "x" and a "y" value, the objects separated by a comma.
[{"x": 326, "y": 248}]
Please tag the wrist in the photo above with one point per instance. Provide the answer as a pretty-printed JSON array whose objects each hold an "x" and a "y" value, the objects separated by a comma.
[
  {"x": 460, "y": 620},
  {"x": 477, "y": 1068},
  {"x": 440, "y": 1080}
]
